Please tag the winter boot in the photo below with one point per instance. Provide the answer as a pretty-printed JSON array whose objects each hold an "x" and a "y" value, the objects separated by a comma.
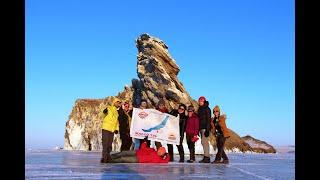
[
  {"x": 202, "y": 160},
  {"x": 216, "y": 162},
  {"x": 103, "y": 160},
  {"x": 181, "y": 159},
  {"x": 205, "y": 160},
  {"x": 181, "y": 153},
  {"x": 181, "y": 156},
  {"x": 225, "y": 161},
  {"x": 192, "y": 157}
]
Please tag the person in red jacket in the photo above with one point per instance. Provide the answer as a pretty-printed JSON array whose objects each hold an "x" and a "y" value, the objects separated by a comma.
[
  {"x": 143, "y": 155},
  {"x": 192, "y": 130}
]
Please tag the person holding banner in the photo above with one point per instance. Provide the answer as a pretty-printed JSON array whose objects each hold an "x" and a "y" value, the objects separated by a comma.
[
  {"x": 143, "y": 155},
  {"x": 192, "y": 130},
  {"x": 162, "y": 108},
  {"x": 137, "y": 142},
  {"x": 182, "y": 127},
  {"x": 110, "y": 126}
]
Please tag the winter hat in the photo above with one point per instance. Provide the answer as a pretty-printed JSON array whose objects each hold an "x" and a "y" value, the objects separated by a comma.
[
  {"x": 161, "y": 151},
  {"x": 202, "y": 98}
]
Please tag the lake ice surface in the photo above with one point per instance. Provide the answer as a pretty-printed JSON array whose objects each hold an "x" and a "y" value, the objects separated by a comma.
[{"x": 60, "y": 164}]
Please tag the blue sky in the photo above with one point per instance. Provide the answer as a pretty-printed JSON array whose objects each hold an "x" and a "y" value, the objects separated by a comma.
[{"x": 239, "y": 54}]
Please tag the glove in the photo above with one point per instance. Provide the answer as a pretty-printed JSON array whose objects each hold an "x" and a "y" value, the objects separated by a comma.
[
  {"x": 206, "y": 133},
  {"x": 116, "y": 131},
  {"x": 195, "y": 138}
]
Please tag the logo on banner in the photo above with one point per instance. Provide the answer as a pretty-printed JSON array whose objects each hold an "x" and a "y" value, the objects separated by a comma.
[
  {"x": 143, "y": 114},
  {"x": 159, "y": 126}
]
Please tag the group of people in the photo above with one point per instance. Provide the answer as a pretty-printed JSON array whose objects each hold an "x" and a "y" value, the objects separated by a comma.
[{"x": 193, "y": 123}]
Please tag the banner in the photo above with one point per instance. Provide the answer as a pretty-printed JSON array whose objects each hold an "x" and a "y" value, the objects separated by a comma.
[{"x": 155, "y": 125}]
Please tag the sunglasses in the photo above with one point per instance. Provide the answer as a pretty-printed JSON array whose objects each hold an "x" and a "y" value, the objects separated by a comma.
[
  {"x": 181, "y": 108},
  {"x": 215, "y": 111}
]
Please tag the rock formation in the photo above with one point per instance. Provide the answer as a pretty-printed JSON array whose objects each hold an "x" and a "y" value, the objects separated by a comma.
[
  {"x": 157, "y": 79},
  {"x": 158, "y": 72},
  {"x": 258, "y": 146}
]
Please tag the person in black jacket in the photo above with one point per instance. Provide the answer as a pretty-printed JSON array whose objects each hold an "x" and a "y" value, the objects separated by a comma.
[
  {"x": 124, "y": 118},
  {"x": 204, "y": 113},
  {"x": 182, "y": 125}
]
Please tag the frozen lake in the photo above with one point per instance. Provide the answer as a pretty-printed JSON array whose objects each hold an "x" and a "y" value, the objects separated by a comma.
[{"x": 59, "y": 164}]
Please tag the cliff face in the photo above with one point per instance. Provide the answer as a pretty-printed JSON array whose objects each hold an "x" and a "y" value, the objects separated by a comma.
[
  {"x": 157, "y": 72},
  {"x": 80, "y": 133},
  {"x": 83, "y": 129}
]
